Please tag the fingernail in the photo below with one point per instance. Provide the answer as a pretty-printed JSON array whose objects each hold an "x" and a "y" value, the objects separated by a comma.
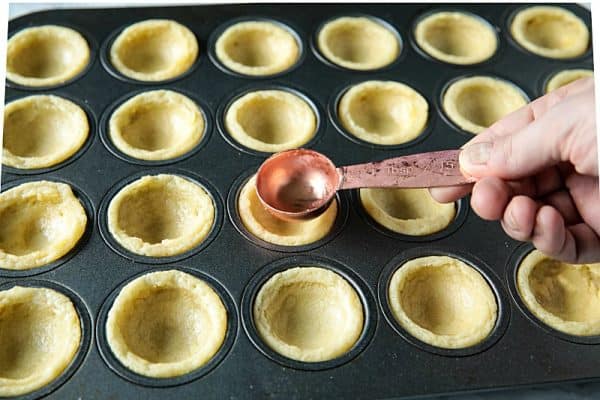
[{"x": 475, "y": 154}]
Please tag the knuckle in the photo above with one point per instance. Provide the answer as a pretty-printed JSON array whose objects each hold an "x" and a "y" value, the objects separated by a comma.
[{"x": 506, "y": 154}]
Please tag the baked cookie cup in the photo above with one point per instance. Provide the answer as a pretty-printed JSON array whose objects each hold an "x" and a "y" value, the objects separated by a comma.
[
  {"x": 166, "y": 324},
  {"x": 40, "y": 334},
  {"x": 308, "y": 314},
  {"x": 475, "y": 103},
  {"x": 550, "y": 31},
  {"x": 160, "y": 215},
  {"x": 358, "y": 43},
  {"x": 410, "y": 212},
  {"x": 157, "y": 125},
  {"x": 456, "y": 37},
  {"x": 257, "y": 48},
  {"x": 565, "y": 77},
  {"x": 261, "y": 224},
  {"x": 42, "y": 131},
  {"x": 443, "y": 302},
  {"x": 270, "y": 120},
  {"x": 383, "y": 112},
  {"x": 46, "y": 55},
  {"x": 565, "y": 297},
  {"x": 154, "y": 50},
  {"x": 42, "y": 221}
]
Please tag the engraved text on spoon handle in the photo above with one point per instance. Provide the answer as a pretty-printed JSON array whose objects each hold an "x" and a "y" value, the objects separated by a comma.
[{"x": 438, "y": 168}]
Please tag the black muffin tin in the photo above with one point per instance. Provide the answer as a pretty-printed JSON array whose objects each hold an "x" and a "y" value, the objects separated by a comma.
[{"x": 386, "y": 362}]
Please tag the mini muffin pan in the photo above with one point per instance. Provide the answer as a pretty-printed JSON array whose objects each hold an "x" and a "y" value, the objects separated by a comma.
[{"x": 386, "y": 362}]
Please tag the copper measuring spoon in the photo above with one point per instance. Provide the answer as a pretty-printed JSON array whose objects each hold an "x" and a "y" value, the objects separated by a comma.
[{"x": 299, "y": 184}]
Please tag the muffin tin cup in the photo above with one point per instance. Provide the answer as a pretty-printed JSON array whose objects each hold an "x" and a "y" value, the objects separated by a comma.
[
  {"x": 225, "y": 105},
  {"x": 486, "y": 272},
  {"x": 93, "y": 46},
  {"x": 334, "y": 116},
  {"x": 383, "y": 22},
  {"x": 266, "y": 272},
  {"x": 86, "y": 333},
  {"x": 443, "y": 88},
  {"x": 81, "y": 243},
  {"x": 115, "y": 365},
  {"x": 116, "y": 247},
  {"x": 107, "y": 64},
  {"x": 104, "y": 128},
  {"x": 91, "y": 117},
  {"x": 287, "y": 26},
  {"x": 435, "y": 10},
  {"x": 509, "y": 16},
  {"x": 462, "y": 211},
  {"x": 512, "y": 268},
  {"x": 234, "y": 216}
]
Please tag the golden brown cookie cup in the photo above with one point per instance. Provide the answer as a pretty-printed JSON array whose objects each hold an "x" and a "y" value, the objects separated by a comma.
[
  {"x": 410, "y": 212},
  {"x": 270, "y": 120},
  {"x": 383, "y": 112},
  {"x": 474, "y": 103},
  {"x": 565, "y": 77},
  {"x": 358, "y": 43},
  {"x": 565, "y": 297},
  {"x": 456, "y": 37},
  {"x": 40, "y": 334},
  {"x": 154, "y": 50},
  {"x": 157, "y": 125},
  {"x": 550, "y": 31},
  {"x": 257, "y": 48},
  {"x": 42, "y": 131},
  {"x": 309, "y": 314},
  {"x": 160, "y": 216},
  {"x": 42, "y": 221},
  {"x": 166, "y": 324},
  {"x": 262, "y": 225},
  {"x": 46, "y": 55},
  {"x": 443, "y": 302}
]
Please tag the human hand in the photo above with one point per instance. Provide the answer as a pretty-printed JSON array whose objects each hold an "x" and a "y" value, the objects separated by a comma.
[{"x": 537, "y": 172}]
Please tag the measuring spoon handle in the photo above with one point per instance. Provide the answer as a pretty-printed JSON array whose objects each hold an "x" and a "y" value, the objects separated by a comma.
[{"x": 437, "y": 168}]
